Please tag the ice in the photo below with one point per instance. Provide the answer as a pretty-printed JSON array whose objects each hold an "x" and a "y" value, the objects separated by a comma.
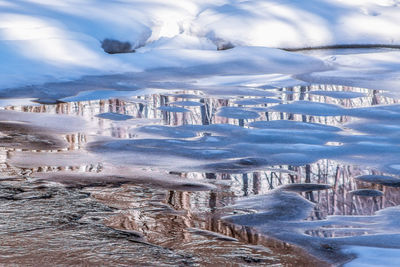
[
  {"x": 45, "y": 122},
  {"x": 167, "y": 154},
  {"x": 372, "y": 256},
  {"x": 282, "y": 215},
  {"x": 285, "y": 136},
  {"x": 37, "y": 130},
  {"x": 290, "y": 125},
  {"x": 305, "y": 187},
  {"x": 37, "y": 159},
  {"x": 106, "y": 94},
  {"x": 166, "y": 131},
  {"x": 367, "y": 193},
  {"x": 380, "y": 179},
  {"x": 375, "y": 127},
  {"x": 243, "y": 165},
  {"x": 268, "y": 149},
  {"x": 186, "y": 103},
  {"x": 338, "y": 94},
  {"x": 274, "y": 148},
  {"x": 311, "y": 108},
  {"x": 234, "y": 91},
  {"x": 218, "y": 129},
  {"x": 389, "y": 112},
  {"x": 237, "y": 113},
  {"x": 293, "y": 159},
  {"x": 173, "y": 109},
  {"x": 256, "y": 101},
  {"x": 395, "y": 166},
  {"x": 114, "y": 116},
  {"x": 277, "y": 205},
  {"x": 185, "y": 96},
  {"x": 378, "y": 70}
]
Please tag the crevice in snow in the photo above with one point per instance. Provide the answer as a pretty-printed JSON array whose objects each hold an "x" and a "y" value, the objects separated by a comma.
[{"x": 225, "y": 46}]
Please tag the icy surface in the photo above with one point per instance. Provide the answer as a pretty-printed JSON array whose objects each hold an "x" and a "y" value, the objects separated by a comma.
[
  {"x": 44, "y": 122},
  {"x": 375, "y": 70},
  {"x": 312, "y": 170},
  {"x": 370, "y": 256}
]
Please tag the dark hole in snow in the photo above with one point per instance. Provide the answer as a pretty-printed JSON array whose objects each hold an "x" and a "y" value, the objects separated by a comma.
[
  {"x": 111, "y": 46},
  {"x": 48, "y": 101},
  {"x": 225, "y": 46}
]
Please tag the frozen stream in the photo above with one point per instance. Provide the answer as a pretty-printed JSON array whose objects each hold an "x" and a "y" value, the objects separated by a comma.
[{"x": 304, "y": 175}]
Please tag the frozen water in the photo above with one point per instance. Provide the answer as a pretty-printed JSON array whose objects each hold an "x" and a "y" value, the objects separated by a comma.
[
  {"x": 300, "y": 160},
  {"x": 44, "y": 122},
  {"x": 237, "y": 113},
  {"x": 371, "y": 256},
  {"x": 114, "y": 116},
  {"x": 305, "y": 187},
  {"x": 380, "y": 179},
  {"x": 338, "y": 94},
  {"x": 186, "y": 103},
  {"x": 166, "y": 131},
  {"x": 311, "y": 108},
  {"x": 173, "y": 109},
  {"x": 297, "y": 125},
  {"x": 257, "y": 101},
  {"x": 367, "y": 193}
]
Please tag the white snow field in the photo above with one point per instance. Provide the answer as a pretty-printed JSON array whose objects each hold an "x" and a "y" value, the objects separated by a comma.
[{"x": 55, "y": 40}]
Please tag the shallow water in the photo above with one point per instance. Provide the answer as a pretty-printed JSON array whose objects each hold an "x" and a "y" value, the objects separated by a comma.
[{"x": 195, "y": 177}]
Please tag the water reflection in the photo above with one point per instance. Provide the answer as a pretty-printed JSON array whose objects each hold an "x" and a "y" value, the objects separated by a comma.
[{"x": 190, "y": 222}]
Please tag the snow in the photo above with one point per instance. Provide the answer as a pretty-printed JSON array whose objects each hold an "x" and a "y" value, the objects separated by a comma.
[
  {"x": 60, "y": 40},
  {"x": 297, "y": 24}
]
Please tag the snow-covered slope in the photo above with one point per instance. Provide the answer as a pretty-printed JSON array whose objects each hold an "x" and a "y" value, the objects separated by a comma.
[
  {"x": 297, "y": 24},
  {"x": 56, "y": 40}
]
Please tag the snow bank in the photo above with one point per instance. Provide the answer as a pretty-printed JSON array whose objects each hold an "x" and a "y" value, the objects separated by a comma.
[
  {"x": 43, "y": 40},
  {"x": 297, "y": 24},
  {"x": 56, "y": 40}
]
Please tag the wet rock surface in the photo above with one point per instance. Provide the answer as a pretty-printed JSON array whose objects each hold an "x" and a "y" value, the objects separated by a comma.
[
  {"x": 111, "y": 46},
  {"x": 91, "y": 226},
  {"x": 19, "y": 135}
]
